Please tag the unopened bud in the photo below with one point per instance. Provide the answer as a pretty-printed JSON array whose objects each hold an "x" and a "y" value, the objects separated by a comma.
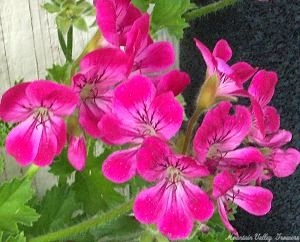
[{"x": 207, "y": 95}]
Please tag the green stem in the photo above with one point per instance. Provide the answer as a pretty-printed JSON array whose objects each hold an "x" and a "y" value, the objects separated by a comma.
[
  {"x": 62, "y": 43},
  {"x": 85, "y": 225},
  {"x": 210, "y": 8},
  {"x": 69, "y": 44},
  {"x": 32, "y": 170},
  {"x": 189, "y": 132}
]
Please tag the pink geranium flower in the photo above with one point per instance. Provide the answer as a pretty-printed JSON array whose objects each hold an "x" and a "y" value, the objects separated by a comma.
[
  {"x": 137, "y": 113},
  {"x": 77, "y": 152},
  {"x": 223, "y": 129},
  {"x": 174, "y": 203},
  {"x": 231, "y": 78},
  {"x": 230, "y": 188},
  {"x": 266, "y": 119},
  {"x": 266, "y": 131},
  {"x": 217, "y": 140},
  {"x": 38, "y": 107},
  {"x": 115, "y": 19},
  {"x": 101, "y": 71}
]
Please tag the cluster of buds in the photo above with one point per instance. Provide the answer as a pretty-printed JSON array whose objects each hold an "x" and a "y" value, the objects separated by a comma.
[{"x": 125, "y": 94}]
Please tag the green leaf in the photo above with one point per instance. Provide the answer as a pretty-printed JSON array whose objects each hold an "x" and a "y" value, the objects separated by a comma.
[
  {"x": 51, "y": 8},
  {"x": 56, "y": 209},
  {"x": 4, "y": 130},
  {"x": 16, "y": 238},
  {"x": 58, "y": 73},
  {"x": 92, "y": 188},
  {"x": 13, "y": 209},
  {"x": 61, "y": 167},
  {"x": 168, "y": 14},
  {"x": 7, "y": 237},
  {"x": 80, "y": 24},
  {"x": 143, "y": 5},
  {"x": 63, "y": 23}
]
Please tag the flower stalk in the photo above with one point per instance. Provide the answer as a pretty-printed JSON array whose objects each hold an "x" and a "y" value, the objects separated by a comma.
[
  {"x": 189, "y": 132},
  {"x": 32, "y": 170},
  {"x": 85, "y": 225},
  {"x": 210, "y": 8}
]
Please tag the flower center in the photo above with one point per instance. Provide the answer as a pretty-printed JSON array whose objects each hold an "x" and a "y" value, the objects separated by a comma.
[
  {"x": 213, "y": 151},
  {"x": 86, "y": 91},
  {"x": 41, "y": 114},
  {"x": 174, "y": 175}
]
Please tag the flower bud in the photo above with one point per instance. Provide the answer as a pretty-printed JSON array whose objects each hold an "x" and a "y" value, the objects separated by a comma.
[{"x": 207, "y": 95}]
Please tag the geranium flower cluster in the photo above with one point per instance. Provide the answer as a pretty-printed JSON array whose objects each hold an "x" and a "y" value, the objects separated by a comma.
[{"x": 125, "y": 95}]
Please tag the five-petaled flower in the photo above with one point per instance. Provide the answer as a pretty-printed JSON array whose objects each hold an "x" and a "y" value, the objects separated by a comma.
[
  {"x": 236, "y": 189},
  {"x": 101, "y": 70},
  {"x": 174, "y": 202},
  {"x": 38, "y": 107},
  {"x": 137, "y": 113}
]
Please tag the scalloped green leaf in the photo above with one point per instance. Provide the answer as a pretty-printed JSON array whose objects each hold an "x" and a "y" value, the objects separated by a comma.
[
  {"x": 168, "y": 14},
  {"x": 92, "y": 189},
  {"x": 56, "y": 209},
  {"x": 14, "y": 196}
]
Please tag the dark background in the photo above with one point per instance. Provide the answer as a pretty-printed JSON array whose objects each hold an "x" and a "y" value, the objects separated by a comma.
[{"x": 267, "y": 35}]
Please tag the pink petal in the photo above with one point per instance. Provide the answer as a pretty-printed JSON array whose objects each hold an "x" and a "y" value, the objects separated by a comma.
[
  {"x": 47, "y": 148},
  {"x": 167, "y": 115},
  {"x": 222, "y": 50},
  {"x": 155, "y": 57},
  {"x": 106, "y": 19},
  {"x": 150, "y": 203},
  {"x": 207, "y": 56},
  {"x": 285, "y": 162},
  {"x": 138, "y": 92},
  {"x": 153, "y": 158},
  {"x": 224, "y": 217},
  {"x": 120, "y": 166},
  {"x": 112, "y": 131},
  {"x": 89, "y": 116},
  {"x": 255, "y": 200},
  {"x": 262, "y": 86},
  {"x": 15, "y": 105},
  {"x": 115, "y": 19},
  {"x": 258, "y": 124},
  {"x": 224, "y": 68},
  {"x": 59, "y": 129},
  {"x": 223, "y": 182},
  {"x": 23, "y": 141},
  {"x": 138, "y": 38},
  {"x": 111, "y": 65},
  {"x": 175, "y": 223},
  {"x": 221, "y": 131},
  {"x": 197, "y": 201},
  {"x": 243, "y": 71},
  {"x": 243, "y": 157},
  {"x": 175, "y": 81},
  {"x": 191, "y": 168},
  {"x": 271, "y": 119},
  {"x": 60, "y": 99},
  {"x": 276, "y": 140},
  {"x": 77, "y": 152}
]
